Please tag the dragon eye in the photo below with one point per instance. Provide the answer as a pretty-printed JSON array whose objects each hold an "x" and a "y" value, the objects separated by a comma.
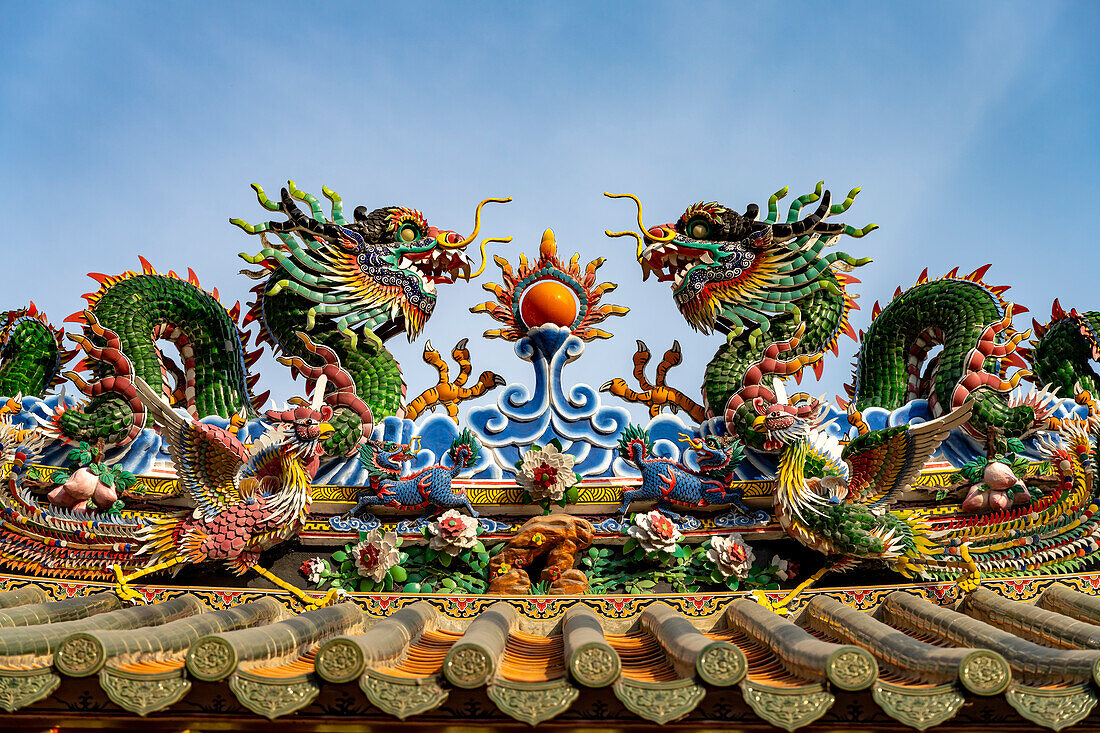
[
  {"x": 698, "y": 229},
  {"x": 408, "y": 233}
]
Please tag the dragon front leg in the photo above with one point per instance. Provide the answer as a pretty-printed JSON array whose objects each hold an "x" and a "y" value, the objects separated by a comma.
[
  {"x": 658, "y": 396},
  {"x": 461, "y": 355},
  {"x": 447, "y": 392},
  {"x": 641, "y": 361},
  {"x": 426, "y": 400}
]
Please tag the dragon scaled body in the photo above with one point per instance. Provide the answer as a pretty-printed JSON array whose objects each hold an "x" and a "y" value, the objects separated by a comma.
[
  {"x": 247, "y": 498},
  {"x": 972, "y": 322},
  {"x": 349, "y": 285}
]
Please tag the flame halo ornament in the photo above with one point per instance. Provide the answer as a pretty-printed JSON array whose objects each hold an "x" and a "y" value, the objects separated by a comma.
[{"x": 549, "y": 267}]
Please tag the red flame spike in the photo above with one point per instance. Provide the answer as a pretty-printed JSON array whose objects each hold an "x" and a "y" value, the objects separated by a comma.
[
  {"x": 876, "y": 309},
  {"x": 897, "y": 291},
  {"x": 953, "y": 275},
  {"x": 146, "y": 268},
  {"x": 214, "y": 292},
  {"x": 818, "y": 367},
  {"x": 841, "y": 402},
  {"x": 978, "y": 274},
  {"x": 1056, "y": 312},
  {"x": 923, "y": 276}
]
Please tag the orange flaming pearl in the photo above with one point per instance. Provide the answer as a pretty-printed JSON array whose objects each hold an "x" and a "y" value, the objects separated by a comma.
[{"x": 548, "y": 301}]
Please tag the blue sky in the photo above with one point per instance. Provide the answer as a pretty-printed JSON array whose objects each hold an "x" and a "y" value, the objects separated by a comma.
[{"x": 131, "y": 129}]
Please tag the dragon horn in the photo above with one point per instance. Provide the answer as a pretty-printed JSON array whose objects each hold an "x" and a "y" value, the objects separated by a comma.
[
  {"x": 780, "y": 392},
  {"x": 691, "y": 440},
  {"x": 799, "y": 228},
  {"x": 319, "y": 392}
]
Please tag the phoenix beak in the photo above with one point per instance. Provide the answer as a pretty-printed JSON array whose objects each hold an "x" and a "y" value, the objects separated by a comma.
[{"x": 325, "y": 430}]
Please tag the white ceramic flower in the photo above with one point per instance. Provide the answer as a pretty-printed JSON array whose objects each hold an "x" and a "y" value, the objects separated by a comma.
[
  {"x": 655, "y": 532},
  {"x": 731, "y": 555},
  {"x": 784, "y": 569},
  {"x": 547, "y": 473},
  {"x": 314, "y": 569},
  {"x": 453, "y": 532},
  {"x": 376, "y": 554}
]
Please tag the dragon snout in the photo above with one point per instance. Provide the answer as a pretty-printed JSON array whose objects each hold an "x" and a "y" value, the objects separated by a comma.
[
  {"x": 660, "y": 232},
  {"x": 444, "y": 236}
]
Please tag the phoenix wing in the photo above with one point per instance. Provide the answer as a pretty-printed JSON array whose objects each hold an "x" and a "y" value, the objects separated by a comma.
[
  {"x": 883, "y": 463},
  {"x": 208, "y": 459}
]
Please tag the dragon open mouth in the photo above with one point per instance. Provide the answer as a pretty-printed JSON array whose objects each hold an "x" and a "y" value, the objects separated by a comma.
[
  {"x": 438, "y": 266},
  {"x": 671, "y": 262}
]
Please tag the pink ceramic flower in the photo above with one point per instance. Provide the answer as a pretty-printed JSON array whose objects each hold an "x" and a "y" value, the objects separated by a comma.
[
  {"x": 452, "y": 532},
  {"x": 314, "y": 569},
  {"x": 547, "y": 473},
  {"x": 655, "y": 532},
  {"x": 731, "y": 556},
  {"x": 375, "y": 555}
]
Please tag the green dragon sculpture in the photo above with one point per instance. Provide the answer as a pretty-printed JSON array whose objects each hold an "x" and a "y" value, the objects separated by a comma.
[
  {"x": 782, "y": 301},
  {"x": 1063, "y": 350},
  {"x": 349, "y": 285},
  {"x": 769, "y": 286},
  {"x": 973, "y": 323},
  {"x": 32, "y": 353}
]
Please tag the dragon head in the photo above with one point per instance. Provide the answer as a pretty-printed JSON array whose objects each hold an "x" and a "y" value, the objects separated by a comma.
[
  {"x": 376, "y": 273},
  {"x": 716, "y": 455},
  {"x": 722, "y": 264},
  {"x": 386, "y": 457},
  {"x": 785, "y": 421}
]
